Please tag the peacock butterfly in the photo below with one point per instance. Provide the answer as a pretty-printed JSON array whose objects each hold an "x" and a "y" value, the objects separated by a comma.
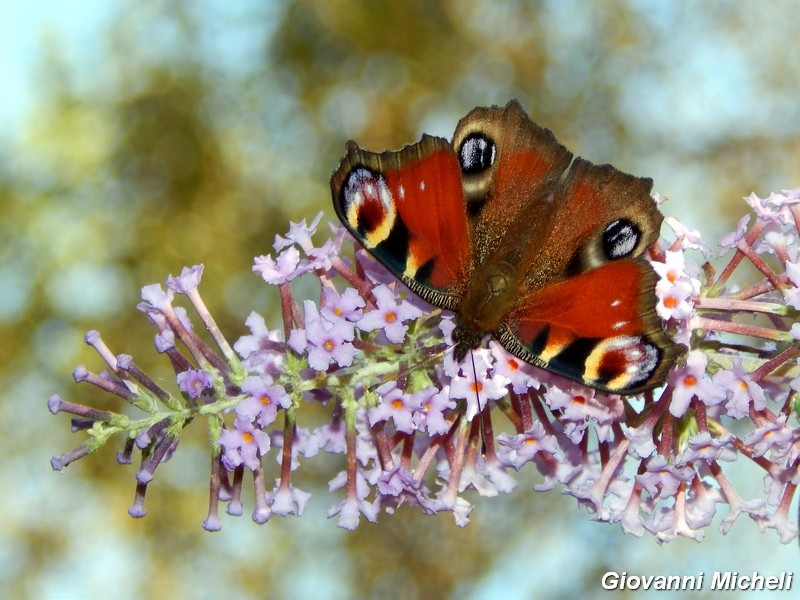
[{"x": 488, "y": 226}]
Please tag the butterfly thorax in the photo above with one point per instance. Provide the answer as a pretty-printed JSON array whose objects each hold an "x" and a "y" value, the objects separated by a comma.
[{"x": 486, "y": 302}]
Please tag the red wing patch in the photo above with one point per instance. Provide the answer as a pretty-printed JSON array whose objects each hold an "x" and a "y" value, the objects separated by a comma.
[{"x": 599, "y": 326}]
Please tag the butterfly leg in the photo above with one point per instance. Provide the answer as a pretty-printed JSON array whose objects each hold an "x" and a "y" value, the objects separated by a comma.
[{"x": 466, "y": 340}]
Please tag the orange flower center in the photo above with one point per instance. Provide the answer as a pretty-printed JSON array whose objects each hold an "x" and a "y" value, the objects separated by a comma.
[
  {"x": 397, "y": 404},
  {"x": 338, "y": 311},
  {"x": 265, "y": 400},
  {"x": 579, "y": 399},
  {"x": 391, "y": 317},
  {"x": 743, "y": 385},
  {"x": 247, "y": 437},
  {"x": 690, "y": 381},
  {"x": 329, "y": 345},
  {"x": 512, "y": 364},
  {"x": 477, "y": 386},
  {"x": 672, "y": 277},
  {"x": 670, "y": 302}
]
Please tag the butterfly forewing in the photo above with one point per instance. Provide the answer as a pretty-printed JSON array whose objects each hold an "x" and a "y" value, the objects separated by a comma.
[
  {"x": 408, "y": 210},
  {"x": 508, "y": 191},
  {"x": 600, "y": 214}
]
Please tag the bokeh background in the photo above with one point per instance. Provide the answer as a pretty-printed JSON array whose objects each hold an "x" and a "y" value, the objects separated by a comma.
[{"x": 137, "y": 137}]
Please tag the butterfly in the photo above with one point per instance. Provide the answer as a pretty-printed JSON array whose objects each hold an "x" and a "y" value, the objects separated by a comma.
[{"x": 502, "y": 227}]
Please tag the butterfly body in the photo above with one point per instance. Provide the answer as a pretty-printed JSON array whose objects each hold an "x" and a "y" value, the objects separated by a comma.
[{"x": 488, "y": 226}]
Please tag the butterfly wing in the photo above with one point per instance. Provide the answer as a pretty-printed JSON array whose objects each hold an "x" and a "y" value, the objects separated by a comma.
[
  {"x": 586, "y": 305},
  {"x": 598, "y": 327},
  {"x": 408, "y": 209},
  {"x": 510, "y": 166}
]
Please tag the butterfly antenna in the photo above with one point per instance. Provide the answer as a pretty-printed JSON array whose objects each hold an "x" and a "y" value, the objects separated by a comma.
[
  {"x": 478, "y": 400},
  {"x": 475, "y": 379}
]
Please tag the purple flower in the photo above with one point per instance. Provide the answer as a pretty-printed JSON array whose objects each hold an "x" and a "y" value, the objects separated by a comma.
[
  {"x": 432, "y": 404},
  {"x": 395, "y": 405},
  {"x": 288, "y": 264},
  {"x": 641, "y": 441},
  {"x": 330, "y": 344},
  {"x": 676, "y": 287},
  {"x": 774, "y": 435},
  {"x": 284, "y": 269},
  {"x": 675, "y": 301},
  {"x": 261, "y": 349},
  {"x": 690, "y": 239},
  {"x": 353, "y": 505},
  {"x": 263, "y": 401},
  {"x": 779, "y": 521},
  {"x": 774, "y": 208},
  {"x": 288, "y": 500},
  {"x": 673, "y": 269},
  {"x": 741, "y": 391},
  {"x": 300, "y": 234},
  {"x": 243, "y": 444},
  {"x": 187, "y": 281},
  {"x": 701, "y": 504},
  {"x": 347, "y": 306},
  {"x": 459, "y": 506},
  {"x": 579, "y": 404},
  {"x": 322, "y": 257},
  {"x": 389, "y": 315},
  {"x": 154, "y": 296},
  {"x": 331, "y": 438},
  {"x": 775, "y": 240},
  {"x": 194, "y": 382},
  {"x": 702, "y": 447},
  {"x": 732, "y": 239},
  {"x": 691, "y": 381},
  {"x": 488, "y": 479},
  {"x": 398, "y": 485},
  {"x": 661, "y": 480},
  {"x": 326, "y": 342},
  {"x": 516, "y": 450},
  {"x": 475, "y": 385},
  {"x": 521, "y": 375}
]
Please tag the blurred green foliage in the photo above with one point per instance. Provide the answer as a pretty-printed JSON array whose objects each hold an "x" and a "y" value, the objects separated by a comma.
[{"x": 193, "y": 133}]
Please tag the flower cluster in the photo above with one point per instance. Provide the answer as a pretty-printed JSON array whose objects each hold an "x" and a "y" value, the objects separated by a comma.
[{"x": 414, "y": 427}]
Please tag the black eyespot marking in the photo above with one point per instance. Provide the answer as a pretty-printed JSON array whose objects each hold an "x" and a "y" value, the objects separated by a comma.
[
  {"x": 477, "y": 153},
  {"x": 620, "y": 238}
]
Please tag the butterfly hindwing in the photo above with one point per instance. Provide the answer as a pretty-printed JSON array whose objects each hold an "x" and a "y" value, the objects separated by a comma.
[{"x": 598, "y": 327}]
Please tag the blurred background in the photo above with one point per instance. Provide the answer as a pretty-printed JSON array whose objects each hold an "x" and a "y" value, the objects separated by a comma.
[{"x": 137, "y": 137}]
